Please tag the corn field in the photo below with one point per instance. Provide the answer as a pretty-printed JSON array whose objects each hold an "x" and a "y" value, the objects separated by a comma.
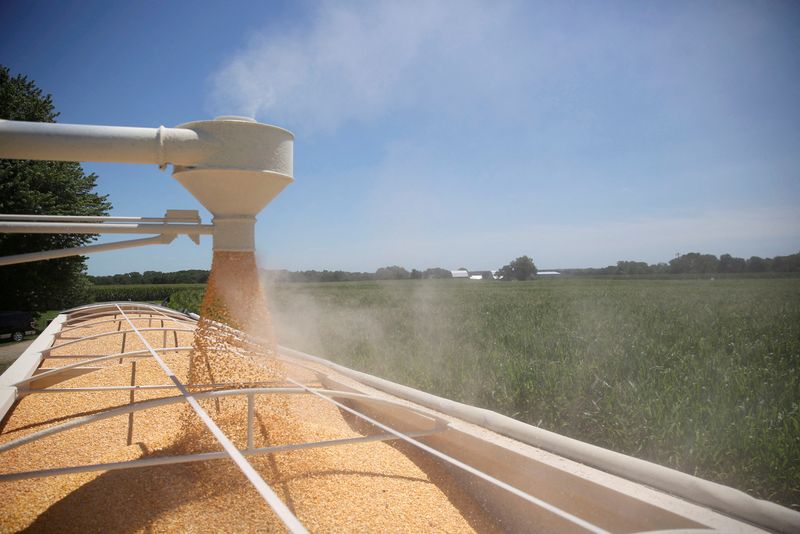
[{"x": 699, "y": 375}]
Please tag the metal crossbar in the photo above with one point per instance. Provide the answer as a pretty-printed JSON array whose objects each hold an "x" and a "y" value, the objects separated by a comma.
[
  {"x": 82, "y": 313},
  {"x": 166, "y": 401},
  {"x": 439, "y": 426},
  {"x": 202, "y": 457},
  {"x": 112, "y": 305},
  {"x": 144, "y": 387},
  {"x": 70, "y": 328},
  {"x": 134, "y": 354},
  {"x": 116, "y": 332}
]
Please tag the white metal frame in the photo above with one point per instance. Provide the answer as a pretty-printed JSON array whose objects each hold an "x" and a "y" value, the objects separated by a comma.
[{"x": 138, "y": 354}]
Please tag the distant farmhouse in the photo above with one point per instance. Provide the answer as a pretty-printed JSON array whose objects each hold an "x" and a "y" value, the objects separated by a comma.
[
  {"x": 548, "y": 273},
  {"x": 475, "y": 275}
]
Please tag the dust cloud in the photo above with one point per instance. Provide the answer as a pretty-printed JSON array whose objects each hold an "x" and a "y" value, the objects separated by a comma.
[{"x": 414, "y": 334}]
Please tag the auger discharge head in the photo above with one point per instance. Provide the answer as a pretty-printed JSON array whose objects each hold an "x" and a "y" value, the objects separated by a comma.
[{"x": 247, "y": 165}]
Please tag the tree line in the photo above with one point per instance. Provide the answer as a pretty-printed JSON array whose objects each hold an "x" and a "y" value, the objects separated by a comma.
[
  {"x": 200, "y": 276},
  {"x": 391, "y": 272},
  {"x": 697, "y": 263},
  {"x": 189, "y": 276},
  {"x": 521, "y": 268}
]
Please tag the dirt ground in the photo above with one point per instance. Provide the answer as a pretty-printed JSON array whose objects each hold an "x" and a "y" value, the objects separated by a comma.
[{"x": 10, "y": 351}]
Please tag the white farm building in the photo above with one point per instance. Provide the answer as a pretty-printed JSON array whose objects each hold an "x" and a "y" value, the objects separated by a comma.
[{"x": 548, "y": 273}]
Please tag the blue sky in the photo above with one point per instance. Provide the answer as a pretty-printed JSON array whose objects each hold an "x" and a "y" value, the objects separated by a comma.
[{"x": 451, "y": 133}]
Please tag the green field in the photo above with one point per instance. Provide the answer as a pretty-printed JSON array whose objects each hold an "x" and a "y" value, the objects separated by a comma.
[{"x": 699, "y": 375}]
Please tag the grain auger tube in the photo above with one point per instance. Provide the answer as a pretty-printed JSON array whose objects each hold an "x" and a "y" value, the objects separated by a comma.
[{"x": 233, "y": 165}]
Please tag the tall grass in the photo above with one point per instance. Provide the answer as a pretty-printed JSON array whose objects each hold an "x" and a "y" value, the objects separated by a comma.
[{"x": 699, "y": 375}]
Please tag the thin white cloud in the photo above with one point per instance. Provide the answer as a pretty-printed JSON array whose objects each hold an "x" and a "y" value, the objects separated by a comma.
[{"x": 357, "y": 61}]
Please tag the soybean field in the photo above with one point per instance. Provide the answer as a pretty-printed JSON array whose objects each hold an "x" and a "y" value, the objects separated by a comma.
[{"x": 699, "y": 375}]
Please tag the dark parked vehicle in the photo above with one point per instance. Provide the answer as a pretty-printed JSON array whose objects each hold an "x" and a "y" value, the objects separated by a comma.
[{"x": 16, "y": 325}]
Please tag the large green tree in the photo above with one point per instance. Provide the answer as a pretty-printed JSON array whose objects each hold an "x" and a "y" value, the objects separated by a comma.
[
  {"x": 42, "y": 188},
  {"x": 393, "y": 272},
  {"x": 522, "y": 268}
]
